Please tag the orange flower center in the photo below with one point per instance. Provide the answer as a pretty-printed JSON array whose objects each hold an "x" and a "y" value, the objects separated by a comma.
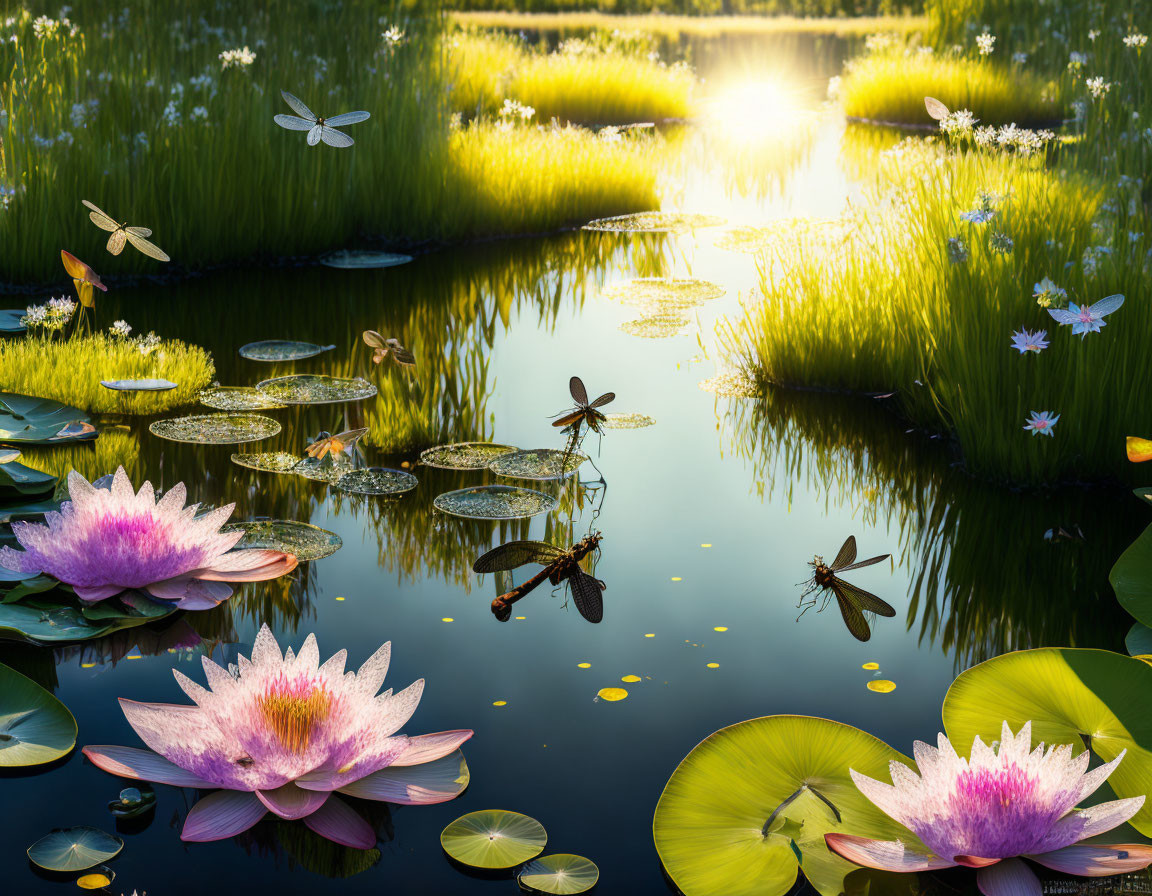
[{"x": 293, "y": 709}]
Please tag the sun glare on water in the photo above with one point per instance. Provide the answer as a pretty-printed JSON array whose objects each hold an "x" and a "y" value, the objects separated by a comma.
[{"x": 756, "y": 110}]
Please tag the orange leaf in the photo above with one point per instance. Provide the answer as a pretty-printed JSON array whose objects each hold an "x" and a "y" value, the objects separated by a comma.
[{"x": 1139, "y": 450}]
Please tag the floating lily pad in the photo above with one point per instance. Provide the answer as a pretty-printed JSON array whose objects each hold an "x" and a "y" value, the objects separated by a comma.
[
  {"x": 96, "y": 880},
  {"x": 881, "y": 686},
  {"x": 612, "y": 695},
  {"x": 216, "y": 429},
  {"x": 133, "y": 802},
  {"x": 627, "y": 421},
  {"x": 538, "y": 463},
  {"x": 654, "y": 222},
  {"x": 377, "y": 481},
  {"x": 562, "y": 874},
  {"x": 303, "y": 540},
  {"x": 752, "y": 800},
  {"x": 464, "y": 455},
  {"x": 664, "y": 293},
  {"x": 268, "y": 462},
  {"x": 138, "y": 385},
  {"x": 10, "y": 321},
  {"x": 35, "y": 727},
  {"x": 19, "y": 481},
  {"x": 494, "y": 502},
  {"x": 237, "y": 398},
  {"x": 730, "y": 384},
  {"x": 58, "y": 617},
  {"x": 25, "y": 420},
  {"x": 356, "y": 259},
  {"x": 282, "y": 350},
  {"x": 325, "y": 469},
  {"x": 494, "y": 838},
  {"x": 1067, "y": 694},
  {"x": 74, "y": 849},
  {"x": 1131, "y": 578},
  {"x": 308, "y": 388},
  {"x": 655, "y": 326}
]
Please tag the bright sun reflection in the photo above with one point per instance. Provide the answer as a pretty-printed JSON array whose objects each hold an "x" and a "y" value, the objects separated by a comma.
[{"x": 756, "y": 110}]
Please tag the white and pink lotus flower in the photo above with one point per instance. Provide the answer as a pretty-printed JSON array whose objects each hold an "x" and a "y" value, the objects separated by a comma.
[
  {"x": 281, "y": 733},
  {"x": 994, "y": 809},
  {"x": 105, "y": 541}
]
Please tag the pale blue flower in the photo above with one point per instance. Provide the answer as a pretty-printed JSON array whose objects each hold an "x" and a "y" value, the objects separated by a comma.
[
  {"x": 1041, "y": 423},
  {"x": 1086, "y": 319},
  {"x": 1027, "y": 341}
]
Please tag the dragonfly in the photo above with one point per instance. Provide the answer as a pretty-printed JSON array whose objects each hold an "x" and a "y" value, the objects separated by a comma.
[
  {"x": 559, "y": 566},
  {"x": 121, "y": 232},
  {"x": 853, "y": 601},
  {"x": 382, "y": 348},
  {"x": 585, "y": 412},
  {"x": 318, "y": 128},
  {"x": 326, "y": 443}
]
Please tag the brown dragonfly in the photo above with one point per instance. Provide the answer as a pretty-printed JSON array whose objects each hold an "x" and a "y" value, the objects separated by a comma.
[
  {"x": 382, "y": 348},
  {"x": 585, "y": 412},
  {"x": 854, "y": 602},
  {"x": 559, "y": 566},
  {"x": 326, "y": 443}
]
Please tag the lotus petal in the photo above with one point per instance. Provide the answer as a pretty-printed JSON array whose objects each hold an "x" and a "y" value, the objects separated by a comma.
[
  {"x": 337, "y": 821},
  {"x": 221, "y": 815},
  {"x": 415, "y": 785},
  {"x": 143, "y": 765}
]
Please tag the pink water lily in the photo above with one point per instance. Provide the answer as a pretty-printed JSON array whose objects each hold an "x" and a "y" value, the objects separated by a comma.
[
  {"x": 108, "y": 540},
  {"x": 995, "y": 808},
  {"x": 281, "y": 733}
]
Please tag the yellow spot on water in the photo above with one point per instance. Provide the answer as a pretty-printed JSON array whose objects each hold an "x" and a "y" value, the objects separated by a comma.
[
  {"x": 720, "y": 628},
  {"x": 630, "y": 678},
  {"x": 677, "y": 578},
  {"x": 650, "y": 635},
  {"x": 521, "y": 617},
  {"x": 132, "y": 656},
  {"x": 87, "y": 665},
  {"x": 499, "y": 702},
  {"x": 447, "y": 619},
  {"x": 93, "y": 881},
  {"x": 882, "y": 686},
  {"x": 713, "y": 665},
  {"x": 339, "y": 598},
  {"x": 612, "y": 694},
  {"x": 870, "y": 666},
  {"x": 583, "y": 665},
  {"x": 705, "y": 545}
]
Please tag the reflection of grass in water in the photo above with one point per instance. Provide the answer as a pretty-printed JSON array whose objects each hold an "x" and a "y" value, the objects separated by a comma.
[
  {"x": 891, "y": 86},
  {"x": 984, "y": 579},
  {"x": 889, "y": 309},
  {"x": 114, "y": 448},
  {"x": 70, "y": 371}
]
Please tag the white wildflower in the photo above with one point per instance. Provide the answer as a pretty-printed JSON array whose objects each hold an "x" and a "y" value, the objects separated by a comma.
[
  {"x": 986, "y": 43},
  {"x": 239, "y": 58}
]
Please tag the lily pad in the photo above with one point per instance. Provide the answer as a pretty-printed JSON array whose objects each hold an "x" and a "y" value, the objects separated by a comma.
[
  {"x": 329, "y": 468},
  {"x": 25, "y": 420},
  {"x": 10, "y": 322},
  {"x": 19, "y": 481},
  {"x": 655, "y": 326},
  {"x": 138, "y": 385},
  {"x": 273, "y": 350},
  {"x": 664, "y": 293},
  {"x": 353, "y": 259},
  {"x": 654, "y": 222},
  {"x": 464, "y": 455},
  {"x": 494, "y": 502},
  {"x": 302, "y": 540},
  {"x": 268, "y": 462},
  {"x": 74, "y": 849},
  {"x": 237, "y": 398},
  {"x": 562, "y": 874},
  {"x": 35, "y": 727},
  {"x": 730, "y": 384},
  {"x": 752, "y": 801},
  {"x": 538, "y": 463},
  {"x": 377, "y": 481},
  {"x": 52, "y": 619},
  {"x": 1131, "y": 578},
  {"x": 627, "y": 421},
  {"x": 308, "y": 388},
  {"x": 1071, "y": 696},
  {"x": 494, "y": 838},
  {"x": 216, "y": 429},
  {"x": 1139, "y": 640}
]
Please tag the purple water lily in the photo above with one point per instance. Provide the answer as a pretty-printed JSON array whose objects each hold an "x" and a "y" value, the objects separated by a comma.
[
  {"x": 283, "y": 734},
  {"x": 994, "y": 808}
]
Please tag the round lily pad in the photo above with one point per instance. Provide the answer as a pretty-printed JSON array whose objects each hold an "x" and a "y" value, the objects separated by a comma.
[
  {"x": 562, "y": 874},
  {"x": 627, "y": 421},
  {"x": 52, "y": 619},
  {"x": 1131, "y": 578},
  {"x": 10, "y": 321},
  {"x": 303, "y": 540},
  {"x": 215, "y": 429},
  {"x": 282, "y": 350},
  {"x": 538, "y": 463},
  {"x": 309, "y": 388},
  {"x": 357, "y": 259},
  {"x": 377, "y": 481},
  {"x": 494, "y": 838},
  {"x": 138, "y": 385},
  {"x": 464, "y": 455},
  {"x": 25, "y": 420},
  {"x": 1069, "y": 695},
  {"x": 237, "y": 398},
  {"x": 751, "y": 800},
  {"x": 325, "y": 469},
  {"x": 654, "y": 222},
  {"x": 730, "y": 384},
  {"x": 74, "y": 849},
  {"x": 1138, "y": 641},
  {"x": 664, "y": 293},
  {"x": 655, "y": 326},
  {"x": 35, "y": 727},
  {"x": 268, "y": 462},
  {"x": 494, "y": 502}
]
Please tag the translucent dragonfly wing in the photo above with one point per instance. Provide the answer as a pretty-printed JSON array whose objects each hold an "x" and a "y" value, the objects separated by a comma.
[
  {"x": 149, "y": 249},
  {"x": 116, "y": 241},
  {"x": 936, "y": 109},
  {"x": 866, "y": 600},
  {"x": 139, "y": 231},
  {"x": 101, "y": 220},
  {"x": 339, "y": 121},
  {"x": 861, "y": 564},
  {"x": 587, "y": 594},
  {"x": 373, "y": 339},
  {"x": 334, "y": 138},
  {"x": 604, "y": 399},
  {"x": 297, "y": 106},
  {"x": 292, "y": 123},
  {"x": 847, "y": 553},
  {"x": 314, "y": 134},
  {"x": 514, "y": 554},
  {"x": 853, "y": 618},
  {"x": 1107, "y": 305},
  {"x": 579, "y": 393}
]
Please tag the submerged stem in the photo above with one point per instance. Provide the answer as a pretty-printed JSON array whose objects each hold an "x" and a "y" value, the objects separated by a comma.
[{"x": 787, "y": 802}]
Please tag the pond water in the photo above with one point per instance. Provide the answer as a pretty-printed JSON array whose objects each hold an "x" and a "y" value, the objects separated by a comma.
[{"x": 708, "y": 517}]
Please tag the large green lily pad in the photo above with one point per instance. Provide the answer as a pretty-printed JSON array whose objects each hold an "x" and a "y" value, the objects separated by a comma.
[
  {"x": 303, "y": 540},
  {"x": 494, "y": 838},
  {"x": 1131, "y": 578},
  {"x": 237, "y": 398},
  {"x": 35, "y": 727},
  {"x": 25, "y": 420},
  {"x": 59, "y": 616},
  {"x": 215, "y": 429},
  {"x": 750, "y": 806},
  {"x": 74, "y": 849},
  {"x": 1068, "y": 694},
  {"x": 464, "y": 455},
  {"x": 494, "y": 502},
  {"x": 19, "y": 481}
]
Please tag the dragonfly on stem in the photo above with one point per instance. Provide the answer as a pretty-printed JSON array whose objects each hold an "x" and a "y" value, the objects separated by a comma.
[
  {"x": 585, "y": 413},
  {"x": 560, "y": 565},
  {"x": 854, "y": 602}
]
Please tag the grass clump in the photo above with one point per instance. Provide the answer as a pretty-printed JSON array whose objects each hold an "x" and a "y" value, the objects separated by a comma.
[
  {"x": 114, "y": 448},
  {"x": 70, "y": 371}
]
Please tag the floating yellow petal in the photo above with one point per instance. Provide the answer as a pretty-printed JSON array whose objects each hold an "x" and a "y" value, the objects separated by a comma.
[
  {"x": 339, "y": 598},
  {"x": 583, "y": 665},
  {"x": 713, "y": 665},
  {"x": 650, "y": 635},
  {"x": 93, "y": 881},
  {"x": 612, "y": 694},
  {"x": 1139, "y": 450},
  {"x": 705, "y": 545},
  {"x": 630, "y": 678},
  {"x": 720, "y": 628},
  {"x": 447, "y": 619},
  {"x": 521, "y": 617},
  {"x": 677, "y": 579},
  {"x": 882, "y": 686},
  {"x": 499, "y": 702},
  {"x": 870, "y": 666}
]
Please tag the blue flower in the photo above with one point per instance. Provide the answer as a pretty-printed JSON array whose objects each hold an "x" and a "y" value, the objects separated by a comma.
[
  {"x": 1086, "y": 319},
  {"x": 1027, "y": 341},
  {"x": 1041, "y": 423}
]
